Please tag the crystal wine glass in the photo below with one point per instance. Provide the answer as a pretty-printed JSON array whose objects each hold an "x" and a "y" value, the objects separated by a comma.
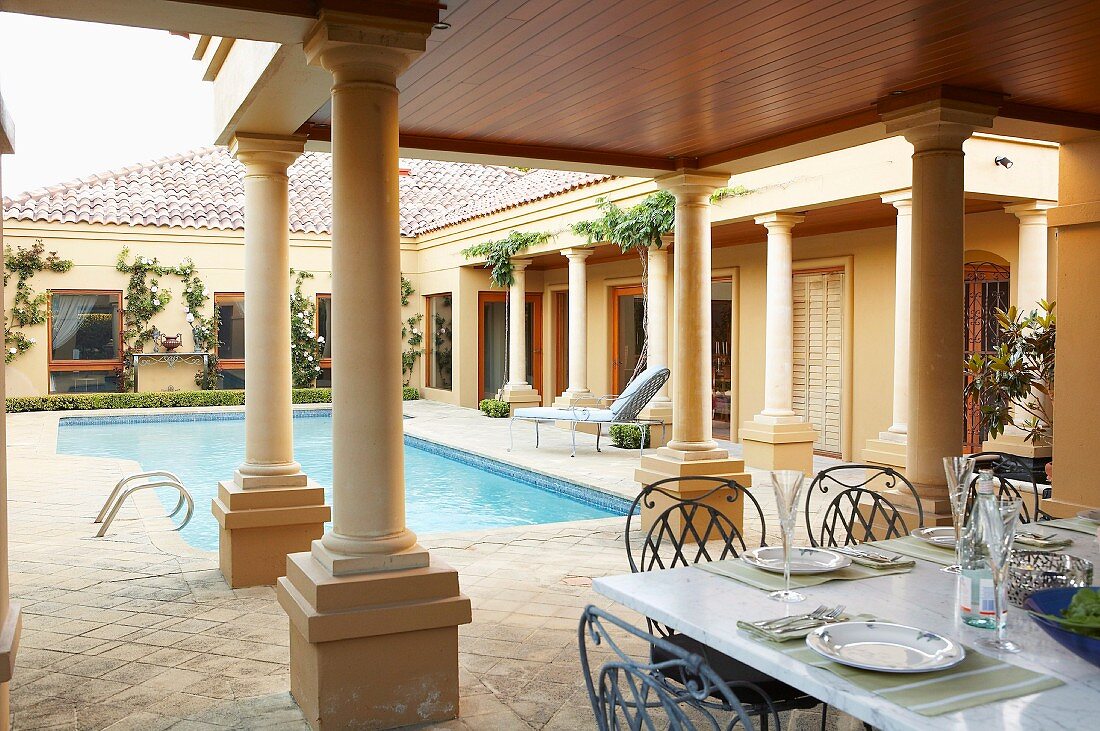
[
  {"x": 788, "y": 486},
  {"x": 999, "y": 526},
  {"x": 959, "y": 470}
]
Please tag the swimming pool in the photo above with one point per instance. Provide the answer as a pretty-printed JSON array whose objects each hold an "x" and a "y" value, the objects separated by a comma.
[{"x": 446, "y": 490}]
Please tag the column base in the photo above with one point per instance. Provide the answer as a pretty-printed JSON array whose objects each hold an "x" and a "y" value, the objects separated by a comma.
[
  {"x": 261, "y": 524},
  {"x": 659, "y": 435},
  {"x": 667, "y": 463},
  {"x": 519, "y": 396},
  {"x": 9, "y": 642},
  {"x": 769, "y": 446},
  {"x": 376, "y": 650},
  {"x": 888, "y": 450}
]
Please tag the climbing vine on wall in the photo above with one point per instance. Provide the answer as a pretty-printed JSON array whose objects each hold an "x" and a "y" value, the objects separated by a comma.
[
  {"x": 413, "y": 335},
  {"x": 498, "y": 254},
  {"x": 28, "y": 307},
  {"x": 306, "y": 345},
  {"x": 146, "y": 297}
]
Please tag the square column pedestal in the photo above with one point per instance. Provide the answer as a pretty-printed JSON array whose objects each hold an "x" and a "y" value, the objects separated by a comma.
[
  {"x": 262, "y": 520},
  {"x": 374, "y": 650},
  {"x": 667, "y": 463},
  {"x": 887, "y": 450},
  {"x": 519, "y": 397},
  {"x": 779, "y": 446}
]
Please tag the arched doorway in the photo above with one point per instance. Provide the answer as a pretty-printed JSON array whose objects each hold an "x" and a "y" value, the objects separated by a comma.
[{"x": 987, "y": 287}]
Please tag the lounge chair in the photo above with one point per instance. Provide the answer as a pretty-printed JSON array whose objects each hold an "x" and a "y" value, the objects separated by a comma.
[{"x": 623, "y": 409}]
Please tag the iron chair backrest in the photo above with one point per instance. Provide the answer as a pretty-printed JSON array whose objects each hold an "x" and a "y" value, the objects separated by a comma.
[
  {"x": 639, "y": 392},
  {"x": 689, "y": 530},
  {"x": 1007, "y": 467},
  {"x": 857, "y": 513},
  {"x": 680, "y": 693}
]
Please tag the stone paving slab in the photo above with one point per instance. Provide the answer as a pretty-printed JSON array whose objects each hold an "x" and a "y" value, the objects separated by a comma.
[{"x": 138, "y": 631}]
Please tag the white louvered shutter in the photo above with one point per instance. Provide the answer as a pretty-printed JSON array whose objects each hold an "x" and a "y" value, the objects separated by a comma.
[{"x": 818, "y": 347}]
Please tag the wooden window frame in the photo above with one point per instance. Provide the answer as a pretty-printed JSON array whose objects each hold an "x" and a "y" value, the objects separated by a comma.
[
  {"x": 83, "y": 365},
  {"x": 536, "y": 340},
  {"x": 560, "y": 314},
  {"x": 429, "y": 340},
  {"x": 617, "y": 291},
  {"x": 227, "y": 364},
  {"x": 324, "y": 362}
]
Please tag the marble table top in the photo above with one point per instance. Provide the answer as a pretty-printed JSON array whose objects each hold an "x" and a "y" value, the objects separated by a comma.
[{"x": 706, "y": 607}]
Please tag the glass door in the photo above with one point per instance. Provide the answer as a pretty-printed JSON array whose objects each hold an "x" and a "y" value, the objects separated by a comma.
[
  {"x": 721, "y": 335},
  {"x": 628, "y": 334},
  {"x": 493, "y": 342}
]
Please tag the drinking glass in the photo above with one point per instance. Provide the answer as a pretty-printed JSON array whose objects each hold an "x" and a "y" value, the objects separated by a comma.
[
  {"x": 959, "y": 470},
  {"x": 788, "y": 486},
  {"x": 999, "y": 527}
]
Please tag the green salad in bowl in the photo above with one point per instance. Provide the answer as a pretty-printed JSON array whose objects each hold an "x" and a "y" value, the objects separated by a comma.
[
  {"x": 1071, "y": 617},
  {"x": 1082, "y": 615}
]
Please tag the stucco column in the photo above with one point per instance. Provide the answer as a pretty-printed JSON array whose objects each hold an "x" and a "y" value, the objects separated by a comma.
[
  {"x": 889, "y": 448},
  {"x": 777, "y": 438},
  {"x": 269, "y": 439},
  {"x": 255, "y": 537},
  {"x": 692, "y": 450},
  {"x": 517, "y": 392},
  {"x": 373, "y": 619},
  {"x": 9, "y": 613},
  {"x": 578, "y": 323}
]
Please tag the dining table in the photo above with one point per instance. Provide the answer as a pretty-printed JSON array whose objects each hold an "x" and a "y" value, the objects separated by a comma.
[{"x": 707, "y": 606}]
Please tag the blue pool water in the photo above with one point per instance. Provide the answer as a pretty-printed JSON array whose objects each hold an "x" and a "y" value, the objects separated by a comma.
[{"x": 445, "y": 490}]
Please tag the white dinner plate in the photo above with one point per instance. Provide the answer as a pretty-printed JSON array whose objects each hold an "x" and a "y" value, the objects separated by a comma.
[
  {"x": 1092, "y": 514},
  {"x": 886, "y": 647},
  {"x": 942, "y": 536},
  {"x": 803, "y": 560}
]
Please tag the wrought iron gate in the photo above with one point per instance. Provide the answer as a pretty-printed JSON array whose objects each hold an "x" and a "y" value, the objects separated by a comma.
[{"x": 987, "y": 290}]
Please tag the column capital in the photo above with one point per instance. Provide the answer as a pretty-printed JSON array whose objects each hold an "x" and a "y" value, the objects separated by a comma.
[
  {"x": 519, "y": 265},
  {"x": 576, "y": 253},
  {"x": 1032, "y": 211},
  {"x": 378, "y": 49},
  {"x": 779, "y": 221},
  {"x": 266, "y": 154},
  {"x": 900, "y": 199},
  {"x": 939, "y": 116},
  {"x": 667, "y": 240},
  {"x": 689, "y": 183}
]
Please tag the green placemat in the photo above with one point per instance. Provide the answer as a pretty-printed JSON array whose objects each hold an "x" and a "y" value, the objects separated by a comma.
[
  {"x": 1079, "y": 525},
  {"x": 738, "y": 570},
  {"x": 915, "y": 547},
  {"x": 977, "y": 680}
]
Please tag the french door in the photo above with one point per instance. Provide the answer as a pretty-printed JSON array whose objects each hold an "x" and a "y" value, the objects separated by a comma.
[{"x": 493, "y": 342}]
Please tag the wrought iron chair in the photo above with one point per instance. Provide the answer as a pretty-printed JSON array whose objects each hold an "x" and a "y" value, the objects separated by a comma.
[
  {"x": 857, "y": 513},
  {"x": 681, "y": 692},
  {"x": 1009, "y": 469},
  {"x": 685, "y": 532}
]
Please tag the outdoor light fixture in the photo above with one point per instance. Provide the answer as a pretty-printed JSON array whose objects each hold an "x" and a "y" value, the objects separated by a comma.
[
  {"x": 442, "y": 26},
  {"x": 1002, "y": 161}
]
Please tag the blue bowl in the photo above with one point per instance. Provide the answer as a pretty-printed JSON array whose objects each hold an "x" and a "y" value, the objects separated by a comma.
[{"x": 1053, "y": 601}]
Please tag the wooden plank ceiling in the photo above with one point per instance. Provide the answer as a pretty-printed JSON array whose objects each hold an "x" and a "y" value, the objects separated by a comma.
[{"x": 697, "y": 78}]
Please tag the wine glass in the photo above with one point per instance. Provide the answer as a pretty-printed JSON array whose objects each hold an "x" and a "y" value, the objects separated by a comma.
[
  {"x": 788, "y": 486},
  {"x": 999, "y": 527},
  {"x": 959, "y": 470}
]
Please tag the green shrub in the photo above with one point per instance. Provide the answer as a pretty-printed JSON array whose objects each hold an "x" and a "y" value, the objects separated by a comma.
[
  {"x": 410, "y": 393},
  {"x": 150, "y": 400},
  {"x": 627, "y": 435},
  {"x": 494, "y": 408}
]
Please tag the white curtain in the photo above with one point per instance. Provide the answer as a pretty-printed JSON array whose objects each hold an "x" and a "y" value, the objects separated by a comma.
[{"x": 68, "y": 315}]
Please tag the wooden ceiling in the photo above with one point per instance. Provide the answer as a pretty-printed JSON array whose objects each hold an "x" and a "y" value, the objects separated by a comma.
[{"x": 696, "y": 79}]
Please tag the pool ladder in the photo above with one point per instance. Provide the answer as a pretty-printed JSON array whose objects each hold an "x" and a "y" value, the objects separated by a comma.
[{"x": 118, "y": 496}]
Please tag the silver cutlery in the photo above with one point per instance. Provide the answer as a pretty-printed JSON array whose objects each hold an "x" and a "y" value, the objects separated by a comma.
[
  {"x": 780, "y": 621},
  {"x": 869, "y": 555},
  {"x": 1036, "y": 536},
  {"x": 829, "y": 618}
]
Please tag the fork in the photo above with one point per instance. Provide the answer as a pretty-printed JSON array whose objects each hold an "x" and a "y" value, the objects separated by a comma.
[
  {"x": 779, "y": 622},
  {"x": 864, "y": 553},
  {"x": 828, "y": 618}
]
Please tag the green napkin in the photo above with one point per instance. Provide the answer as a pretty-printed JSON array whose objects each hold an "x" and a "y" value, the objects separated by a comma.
[
  {"x": 738, "y": 570},
  {"x": 915, "y": 547},
  {"x": 1037, "y": 544},
  {"x": 975, "y": 681},
  {"x": 1080, "y": 525},
  {"x": 879, "y": 565},
  {"x": 768, "y": 635}
]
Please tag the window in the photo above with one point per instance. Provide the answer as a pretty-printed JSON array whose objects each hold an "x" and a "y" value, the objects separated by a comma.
[
  {"x": 324, "y": 328},
  {"x": 85, "y": 332},
  {"x": 439, "y": 346},
  {"x": 230, "y": 327}
]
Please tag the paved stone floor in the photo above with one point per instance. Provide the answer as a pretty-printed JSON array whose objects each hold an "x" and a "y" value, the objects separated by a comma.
[{"x": 138, "y": 631}]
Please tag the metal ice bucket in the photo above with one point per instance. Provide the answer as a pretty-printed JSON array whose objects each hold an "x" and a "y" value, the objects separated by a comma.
[{"x": 1030, "y": 571}]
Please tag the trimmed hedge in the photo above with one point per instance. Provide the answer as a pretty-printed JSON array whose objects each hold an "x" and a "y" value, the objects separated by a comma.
[
  {"x": 626, "y": 435},
  {"x": 494, "y": 408},
  {"x": 150, "y": 400},
  {"x": 410, "y": 393}
]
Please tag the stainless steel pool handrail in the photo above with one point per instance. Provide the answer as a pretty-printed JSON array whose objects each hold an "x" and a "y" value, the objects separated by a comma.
[
  {"x": 137, "y": 476},
  {"x": 184, "y": 497}
]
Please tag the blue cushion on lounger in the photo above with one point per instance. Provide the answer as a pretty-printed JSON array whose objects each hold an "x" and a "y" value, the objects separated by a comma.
[{"x": 580, "y": 413}]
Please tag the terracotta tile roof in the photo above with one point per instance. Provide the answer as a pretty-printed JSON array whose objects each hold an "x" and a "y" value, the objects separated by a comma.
[{"x": 204, "y": 189}]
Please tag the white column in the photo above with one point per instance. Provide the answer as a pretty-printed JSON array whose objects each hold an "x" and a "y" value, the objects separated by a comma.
[
  {"x": 368, "y": 492},
  {"x": 517, "y": 325},
  {"x": 578, "y": 322},
  {"x": 1030, "y": 276},
  {"x": 657, "y": 312},
  {"x": 903, "y": 202},
  {"x": 779, "y": 322},
  {"x": 269, "y": 444}
]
